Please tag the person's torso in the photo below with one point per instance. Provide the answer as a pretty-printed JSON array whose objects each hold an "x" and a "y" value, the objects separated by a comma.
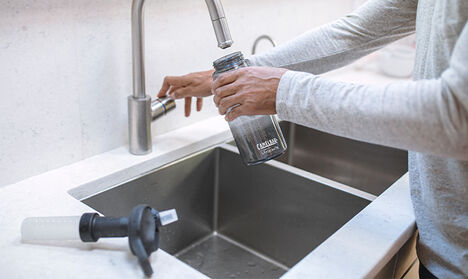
[
  {"x": 439, "y": 186},
  {"x": 438, "y": 26}
]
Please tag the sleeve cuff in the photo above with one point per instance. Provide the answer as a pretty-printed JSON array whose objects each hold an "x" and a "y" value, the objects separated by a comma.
[
  {"x": 284, "y": 100},
  {"x": 251, "y": 61}
]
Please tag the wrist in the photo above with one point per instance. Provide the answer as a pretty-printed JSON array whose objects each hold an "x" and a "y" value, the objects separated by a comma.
[{"x": 209, "y": 80}]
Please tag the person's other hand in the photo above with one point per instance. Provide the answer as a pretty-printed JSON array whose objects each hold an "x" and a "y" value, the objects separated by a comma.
[
  {"x": 187, "y": 86},
  {"x": 252, "y": 89}
]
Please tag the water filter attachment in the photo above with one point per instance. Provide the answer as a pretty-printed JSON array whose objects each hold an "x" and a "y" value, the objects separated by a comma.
[{"x": 141, "y": 227}]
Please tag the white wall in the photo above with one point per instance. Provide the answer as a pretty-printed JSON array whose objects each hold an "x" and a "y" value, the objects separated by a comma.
[{"x": 65, "y": 68}]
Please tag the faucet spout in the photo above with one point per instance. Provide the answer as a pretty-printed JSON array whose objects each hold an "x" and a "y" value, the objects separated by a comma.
[
  {"x": 220, "y": 25},
  {"x": 139, "y": 104}
]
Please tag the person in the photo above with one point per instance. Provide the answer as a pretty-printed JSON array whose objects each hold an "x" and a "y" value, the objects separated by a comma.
[{"x": 427, "y": 116}]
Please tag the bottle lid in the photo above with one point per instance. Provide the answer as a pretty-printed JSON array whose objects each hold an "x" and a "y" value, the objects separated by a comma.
[{"x": 228, "y": 61}]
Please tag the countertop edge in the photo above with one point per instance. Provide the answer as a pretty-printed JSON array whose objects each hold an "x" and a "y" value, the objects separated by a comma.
[{"x": 393, "y": 223}]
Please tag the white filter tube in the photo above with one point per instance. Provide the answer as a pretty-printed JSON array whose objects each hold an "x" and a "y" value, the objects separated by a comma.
[{"x": 50, "y": 228}]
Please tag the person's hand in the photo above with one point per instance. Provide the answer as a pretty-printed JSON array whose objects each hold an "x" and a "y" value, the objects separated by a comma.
[
  {"x": 192, "y": 85},
  {"x": 252, "y": 89}
]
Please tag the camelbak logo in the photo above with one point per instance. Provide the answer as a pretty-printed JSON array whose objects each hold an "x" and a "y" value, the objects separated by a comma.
[{"x": 267, "y": 143}]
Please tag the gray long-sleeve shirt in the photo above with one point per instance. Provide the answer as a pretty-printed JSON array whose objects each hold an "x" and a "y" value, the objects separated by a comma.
[{"x": 428, "y": 116}]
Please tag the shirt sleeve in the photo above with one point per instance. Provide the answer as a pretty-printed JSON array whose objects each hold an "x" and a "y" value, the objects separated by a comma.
[
  {"x": 429, "y": 116},
  {"x": 372, "y": 26}
]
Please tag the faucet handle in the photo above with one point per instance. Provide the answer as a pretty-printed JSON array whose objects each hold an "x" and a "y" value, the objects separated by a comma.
[{"x": 161, "y": 106}]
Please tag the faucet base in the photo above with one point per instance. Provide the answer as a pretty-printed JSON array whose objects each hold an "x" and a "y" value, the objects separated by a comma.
[{"x": 139, "y": 125}]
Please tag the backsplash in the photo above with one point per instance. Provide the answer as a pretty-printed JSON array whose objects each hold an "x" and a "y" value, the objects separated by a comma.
[{"x": 65, "y": 68}]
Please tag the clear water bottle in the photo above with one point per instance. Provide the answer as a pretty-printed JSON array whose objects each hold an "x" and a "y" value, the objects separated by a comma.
[{"x": 259, "y": 137}]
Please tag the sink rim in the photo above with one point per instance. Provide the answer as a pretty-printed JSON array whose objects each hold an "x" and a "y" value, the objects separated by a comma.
[{"x": 274, "y": 163}]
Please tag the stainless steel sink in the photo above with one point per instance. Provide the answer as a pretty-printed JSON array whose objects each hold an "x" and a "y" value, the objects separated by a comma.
[
  {"x": 237, "y": 221},
  {"x": 368, "y": 167}
]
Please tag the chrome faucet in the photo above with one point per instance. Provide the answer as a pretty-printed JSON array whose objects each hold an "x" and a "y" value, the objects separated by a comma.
[{"x": 141, "y": 111}]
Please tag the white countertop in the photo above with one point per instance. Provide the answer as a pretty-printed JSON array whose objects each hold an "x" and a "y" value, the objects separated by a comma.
[
  {"x": 360, "y": 248},
  {"x": 47, "y": 195}
]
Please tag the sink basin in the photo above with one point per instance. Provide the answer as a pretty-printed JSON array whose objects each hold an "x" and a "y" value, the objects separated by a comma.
[
  {"x": 368, "y": 167},
  {"x": 237, "y": 221}
]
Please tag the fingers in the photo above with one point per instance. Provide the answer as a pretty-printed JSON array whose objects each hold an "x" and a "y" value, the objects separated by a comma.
[
  {"x": 224, "y": 79},
  {"x": 179, "y": 93},
  {"x": 228, "y": 102},
  {"x": 164, "y": 88},
  {"x": 234, "y": 113},
  {"x": 199, "y": 104},
  {"x": 224, "y": 91},
  {"x": 188, "y": 106},
  {"x": 169, "y": 82}
]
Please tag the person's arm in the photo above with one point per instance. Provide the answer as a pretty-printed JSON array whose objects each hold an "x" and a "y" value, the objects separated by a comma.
[
  {"x": 196, "y": 85},
  {"x": 429, "y": 116},
  {"x": 375, "y": 24},
  {"x": 372, "y": 26}
]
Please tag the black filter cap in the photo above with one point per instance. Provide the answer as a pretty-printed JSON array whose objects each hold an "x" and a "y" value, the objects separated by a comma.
[{"x": 141, "y": 227}]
